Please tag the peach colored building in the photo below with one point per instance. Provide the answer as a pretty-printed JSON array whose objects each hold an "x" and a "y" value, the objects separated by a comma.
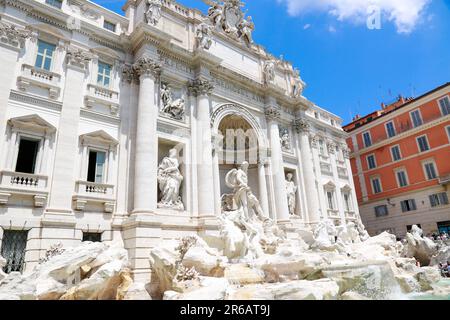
[{"x": 401, "y": 164}]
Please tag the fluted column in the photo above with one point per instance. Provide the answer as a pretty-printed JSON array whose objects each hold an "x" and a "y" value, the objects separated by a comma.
[
  {"x": 205, "y": 173},
  {"x": 263, "y": 195},
  {"x": 303, "y": 128},
  {"x": 279, "y": 182},
  {"x": 63, "y": 182},
  {"x": 146, "y": 157}
]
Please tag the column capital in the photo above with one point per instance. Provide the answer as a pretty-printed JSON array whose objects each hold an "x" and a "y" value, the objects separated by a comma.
[
  {"x": 148, "y": 67},
  {"x": 314, "y": 139},
  {"x": 12, "y": 36},
  {"x": 200, "y": 87},
  {"x": 272, "y": 113},
  {"x": 129, "y": 74},
  {"x": 78, "y": 58},
  {"x": 346, "y": 151},
  {"x": 302, "y": 125}
]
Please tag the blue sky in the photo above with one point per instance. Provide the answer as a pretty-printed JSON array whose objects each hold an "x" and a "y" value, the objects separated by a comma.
[{"x": 349, "y": 68}]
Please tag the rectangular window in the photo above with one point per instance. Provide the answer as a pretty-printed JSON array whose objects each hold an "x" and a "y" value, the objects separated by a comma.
[
  {"x": 321, "y": 147},
  {"x": 55, "y": 3},
  {"x": 376, "y": 185},
  {"x": 26, "y": 158},
  {"x": 371, "y": 162},
  {"x": 395, "y": 151},
  {"x": 45, "y": 55},
  {"x": 430, "y": 171},
  {"x": 330, "y": 199},
  {"x": 445, "y": 106},
  {"x": 333, "y": 123},
  {"x": 92, "y": 237},
  {"x": 408, "y": 205},
  {"x": 423, "y": 144},
  {"x": 96, "y": 169},
  {"x": 390, "y": 129},
  {"x": 367, "y": 139},
  {"x": 14, "y": 244},
  {"x": 416, "y": 118},
  {"x": 347, "y": 202},
  {"x": 401, "y": 178},
  {"x": 381, "y": 211},
  {"x": 439, "y": 199},
  {"x": 316, "y": 115},
  {"x": 104, "y": 74},
  {"x": 109, "y": 26}
]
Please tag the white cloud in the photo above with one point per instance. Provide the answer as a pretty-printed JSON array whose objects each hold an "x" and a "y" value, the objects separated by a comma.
[
  {"x": 306, "y": 26},
  {"x": 331, "y": 29},
  {"x": 405, "y": 14}
]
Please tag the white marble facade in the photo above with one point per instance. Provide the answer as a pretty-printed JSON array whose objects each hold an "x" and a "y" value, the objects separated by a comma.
[{"x": 139, "y": 152}]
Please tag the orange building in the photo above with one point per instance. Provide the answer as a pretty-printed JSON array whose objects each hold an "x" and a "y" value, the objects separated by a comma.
[{"x": 400, "y": 157}]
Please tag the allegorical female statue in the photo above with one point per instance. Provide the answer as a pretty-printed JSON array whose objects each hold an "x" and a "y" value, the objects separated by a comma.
[
  {"x": 291, "y": 189},
  {"x": 170, "y": 179}
]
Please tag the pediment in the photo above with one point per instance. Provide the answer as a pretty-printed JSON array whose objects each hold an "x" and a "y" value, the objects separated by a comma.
[
  {"x": 105, "y": 52},
  {"x": 330, "y": 185},
  {"x": 99, "y": 137},
  {"x": 32, "y": 122},
  {"x": 346, "y": 188},
  {"x": 45, "y": 28}
]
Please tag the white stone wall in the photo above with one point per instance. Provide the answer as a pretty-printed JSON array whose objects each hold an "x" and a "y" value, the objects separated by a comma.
[{"x": 67, "y": 109}]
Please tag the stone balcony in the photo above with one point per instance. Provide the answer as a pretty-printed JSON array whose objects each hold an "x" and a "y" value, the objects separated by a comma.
[
  {"x": 333, "y": 213},
  {"x": 102, "y": 99},
  {"x": 325, "y": 168},
  {"x": 444, "y": 180},
  {"x": 351, "y": 215},
  {"x": 86, "y": 192},
  {"x": 32, "y": 76},
  {"x": 342, "y": 172},
  {"x": 23, "y": 184}
]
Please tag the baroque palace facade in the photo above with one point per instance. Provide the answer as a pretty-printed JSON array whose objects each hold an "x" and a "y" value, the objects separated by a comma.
[{"x": 123, "y": 128}]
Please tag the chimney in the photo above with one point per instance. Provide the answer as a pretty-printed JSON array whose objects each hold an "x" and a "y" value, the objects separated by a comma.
[{"x": 357, "y": 117}]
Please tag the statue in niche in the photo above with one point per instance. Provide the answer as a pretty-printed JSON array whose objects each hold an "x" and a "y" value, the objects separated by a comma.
[
  {"x": 291, "y": 190},
  {"x": 269, "y": 71},
  {"x": 175, "y": 109},
  {"x": 203, "y": 36},
  {"x": 170, "y": 179},
  {"x": 285, "y": 140},
  {"x": 153, "y": 13},
  {"x": 244, "y": 198},
  {"x": 246, "y": 27}
]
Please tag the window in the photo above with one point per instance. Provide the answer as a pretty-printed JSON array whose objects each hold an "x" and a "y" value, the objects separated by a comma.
[
  {"x": 104, "y": 74},
  {"x": 92, "y": 237},
  {"x": 416, "y": 118},
  {"x": 347, "y": 202},
  {"x": 439, "y": 199},
  {"x": 26, "y": 158},
  {"x": 13, "y": 250},
  {"x": 55, "y": 3},
  {"x": 402, "y": 178},
  {"x": 395, "y": 152},
  {"x": 408, "y": 205},
  {"x": 96, "y": 169},
  {"x": 445, "y": 106},
  {"x": 109, "y": 26},
  {"x": 332, "y": 122},
  {"x": 423, "y": 144},
  {"x": 330, "y": 200},
  {"x": 322, "y": 147},
  {"x": 371, "y": 162},
  {"x": 45, "y": 55},
  {"x": 367, "y": 139},
  {"x": 376, "y": 185},
  {"x": 430, "y": 171},
  {"x": 381, "y": 211},
  {"x": 316, "y": 115},
  {"x": 390, "y": 129}
]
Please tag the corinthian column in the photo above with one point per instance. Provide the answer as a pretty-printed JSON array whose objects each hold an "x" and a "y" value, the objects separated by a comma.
[
  {"x": 303, "y": 128},
  {"x": 12, "y": 41},
  {"x": 263, "y": 196},
  {"x": 279, "y": 184},
  {"x": 146, "y": 158},
  {"x": 63, "y": 183},
  {"x": 205, "y": 189}
]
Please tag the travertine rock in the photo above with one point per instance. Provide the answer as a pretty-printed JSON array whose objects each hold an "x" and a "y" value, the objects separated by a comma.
[
  {"x": 207, "y": 288},
  {"x": 2, "y": 264},
  {"x": 89, "y": 271},
  {"x": 419, "y": 247},
  {"x": 350, "y": 295}
]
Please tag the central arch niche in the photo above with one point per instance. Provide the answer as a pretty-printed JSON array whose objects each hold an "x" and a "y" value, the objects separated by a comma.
[{"x": 237, "y": 141}]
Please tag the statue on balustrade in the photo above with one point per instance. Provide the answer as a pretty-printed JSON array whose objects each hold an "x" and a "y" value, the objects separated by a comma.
[{"x": 170, "y": 179}]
